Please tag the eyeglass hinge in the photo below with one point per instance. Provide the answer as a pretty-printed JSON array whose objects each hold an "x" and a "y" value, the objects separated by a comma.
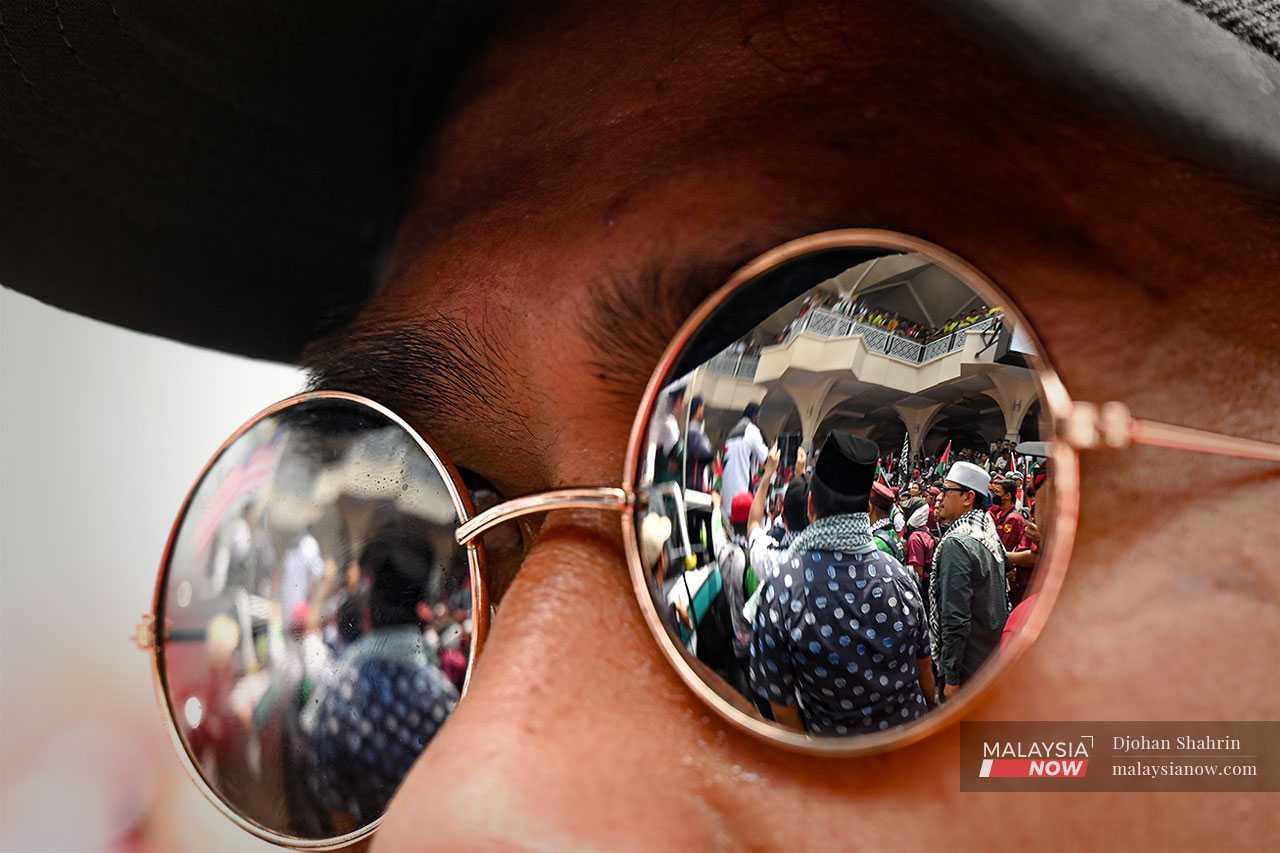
[
  {"x": 144, "y": 636},
  {"x": 1088, "y": 425}
]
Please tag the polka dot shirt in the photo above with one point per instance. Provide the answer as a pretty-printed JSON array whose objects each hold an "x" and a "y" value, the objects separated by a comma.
[{"x": 840, "y": 634}]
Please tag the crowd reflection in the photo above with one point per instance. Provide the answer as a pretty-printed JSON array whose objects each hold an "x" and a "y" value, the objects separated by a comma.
[
  {"x": 315, "y": 653},
  {"x": 850, "y": 589}
]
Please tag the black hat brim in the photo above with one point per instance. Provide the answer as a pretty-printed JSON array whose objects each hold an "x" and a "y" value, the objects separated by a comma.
[
  {"x": 229, "y": 174},
  {"x": 226, "y": 174}
]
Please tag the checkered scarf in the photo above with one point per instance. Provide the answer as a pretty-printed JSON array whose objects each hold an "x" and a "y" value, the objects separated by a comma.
[
  {"x": 881, "y": 525},
  {"x": 849, "y": 532}
]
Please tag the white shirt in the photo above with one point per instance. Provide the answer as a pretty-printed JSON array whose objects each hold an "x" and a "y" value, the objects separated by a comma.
[
  {"x": 764, "y": 553},
  {"x": 669, "y": 434},
  {"x": 741, "y": 459},
  {"x": 303, "y": 566}
]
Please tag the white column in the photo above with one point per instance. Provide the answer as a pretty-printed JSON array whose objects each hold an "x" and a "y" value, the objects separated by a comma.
[
  {"x": 812, "y": 403},
  {"x": 1014, "y": 392},
  {"x": 918, "y": 420}
]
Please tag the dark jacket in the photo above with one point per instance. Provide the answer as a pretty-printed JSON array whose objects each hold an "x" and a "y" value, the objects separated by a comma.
[
  {"x": 699, "y": 453},
  {"x": 969, "y": 591}
]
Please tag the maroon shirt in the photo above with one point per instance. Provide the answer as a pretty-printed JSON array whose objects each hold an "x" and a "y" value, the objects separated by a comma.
[
  {"x": 1010, "y": 525},
  {"x": 920, "y": 547}
]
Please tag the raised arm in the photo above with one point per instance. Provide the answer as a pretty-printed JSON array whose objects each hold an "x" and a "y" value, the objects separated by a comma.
[
  {"x": 756, "y": 519},
  {"x": 718, "y": 535}
]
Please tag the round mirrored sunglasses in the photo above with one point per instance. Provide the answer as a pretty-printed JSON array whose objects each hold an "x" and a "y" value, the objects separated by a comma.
[{"x": 323, "y": 592}]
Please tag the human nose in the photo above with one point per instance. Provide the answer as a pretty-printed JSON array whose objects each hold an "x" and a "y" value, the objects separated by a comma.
[{"x": 575, "y": 733}]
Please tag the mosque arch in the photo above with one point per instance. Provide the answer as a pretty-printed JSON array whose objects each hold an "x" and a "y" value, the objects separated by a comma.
[{"x": 1030, "y": 429}]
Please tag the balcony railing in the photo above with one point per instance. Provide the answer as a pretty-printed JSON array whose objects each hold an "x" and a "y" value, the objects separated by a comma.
[
  {"x": 828, "y": 324},
  {"x": 741, "y": 365}
]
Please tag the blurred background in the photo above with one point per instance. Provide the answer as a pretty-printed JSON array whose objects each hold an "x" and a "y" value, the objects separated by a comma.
[{"x": 101, "y": 433}]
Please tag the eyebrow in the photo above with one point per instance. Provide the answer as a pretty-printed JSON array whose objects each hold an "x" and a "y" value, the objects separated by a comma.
[
  {"x": 435, "y": 369},
  {"x": 633, "y": 315},
  {"x": 429, "y": 368}
]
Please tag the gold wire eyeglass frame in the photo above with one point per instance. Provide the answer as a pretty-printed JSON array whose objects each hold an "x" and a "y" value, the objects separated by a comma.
[{"x": 1077, "y": 426}]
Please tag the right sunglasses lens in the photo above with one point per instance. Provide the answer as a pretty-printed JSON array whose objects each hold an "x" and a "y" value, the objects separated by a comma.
[
  {"x": 873, "y": 578},
  {"x": 314, "y": 618}
]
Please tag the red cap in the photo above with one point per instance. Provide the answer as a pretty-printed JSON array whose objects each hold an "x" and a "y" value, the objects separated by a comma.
[
  {"x": 740, "y": 508},
  {"x": 882, "y": 496},
  {"x": 298, "y": 616}
]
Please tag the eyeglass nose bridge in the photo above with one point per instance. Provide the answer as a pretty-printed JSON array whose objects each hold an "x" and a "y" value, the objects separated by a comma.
[
  {"x": 606, "y": 498},
  {"x": 1086, "y": 426}
]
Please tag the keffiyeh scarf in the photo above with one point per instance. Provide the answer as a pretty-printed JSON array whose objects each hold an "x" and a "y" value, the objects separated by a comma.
[
  {"x": 881, "y": 525},
  {"x": 850, "y": 532}
]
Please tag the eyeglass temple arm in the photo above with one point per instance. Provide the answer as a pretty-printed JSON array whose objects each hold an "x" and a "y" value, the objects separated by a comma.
[
  {"x": 602, "y": 498},
  {"x": 1085, "y": 427},
  {"x": 1111, "y": 425}
]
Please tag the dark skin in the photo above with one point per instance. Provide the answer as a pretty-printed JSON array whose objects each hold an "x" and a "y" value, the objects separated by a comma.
[{"x": 702, "y": 136}]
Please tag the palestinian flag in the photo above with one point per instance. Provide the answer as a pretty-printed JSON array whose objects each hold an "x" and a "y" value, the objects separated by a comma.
[{"x": 941, "y": 470}]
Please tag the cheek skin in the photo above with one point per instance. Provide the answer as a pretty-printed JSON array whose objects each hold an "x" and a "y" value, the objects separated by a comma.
[
  {"x": 1166, "y": 619},
  {"x": 576, "y": 733},
  {"x": 569, "y": 697}
]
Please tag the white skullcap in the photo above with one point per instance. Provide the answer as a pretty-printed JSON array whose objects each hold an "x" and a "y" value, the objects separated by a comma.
[
  {"x": 655, "y": 530},
  {"x": 971, "y": 477},
  {"x": 920, "y": 517}
]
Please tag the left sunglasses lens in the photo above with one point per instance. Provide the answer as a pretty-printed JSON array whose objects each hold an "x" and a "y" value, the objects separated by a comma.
[{"x": 315, "y": 620}]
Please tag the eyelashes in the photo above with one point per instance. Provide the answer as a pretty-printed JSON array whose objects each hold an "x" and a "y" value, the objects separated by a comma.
[{"x": 635, "y": 313}]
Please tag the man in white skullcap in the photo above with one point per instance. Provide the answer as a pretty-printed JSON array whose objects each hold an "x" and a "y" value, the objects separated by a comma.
[{"x": 967, "y": 586}]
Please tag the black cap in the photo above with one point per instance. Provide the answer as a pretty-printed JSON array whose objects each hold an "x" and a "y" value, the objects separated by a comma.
[
  {"x": 226, "y": 174},
  {"x": 847, "y": 465}
]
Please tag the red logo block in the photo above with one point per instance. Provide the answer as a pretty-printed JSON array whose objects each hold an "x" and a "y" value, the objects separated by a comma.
[{"x": 1033, "y": 768}]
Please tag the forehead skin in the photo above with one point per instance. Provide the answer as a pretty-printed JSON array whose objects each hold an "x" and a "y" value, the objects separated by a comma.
[{"x": 587, "y": 148}]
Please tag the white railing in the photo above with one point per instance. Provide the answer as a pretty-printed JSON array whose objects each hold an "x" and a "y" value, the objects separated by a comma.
[
  {"x": 739, "y": 364},
  {"x": 941, "y": 346},
  {"x": 905, "y": 349},
  {"x": 877, "y": 340},
  {"x": 829, "y": 324}
]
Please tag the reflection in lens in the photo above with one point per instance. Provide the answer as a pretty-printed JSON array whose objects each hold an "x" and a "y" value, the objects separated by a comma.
[
  {"x": 838, "y": 497},
  {"x": 317, "y": 617}
]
